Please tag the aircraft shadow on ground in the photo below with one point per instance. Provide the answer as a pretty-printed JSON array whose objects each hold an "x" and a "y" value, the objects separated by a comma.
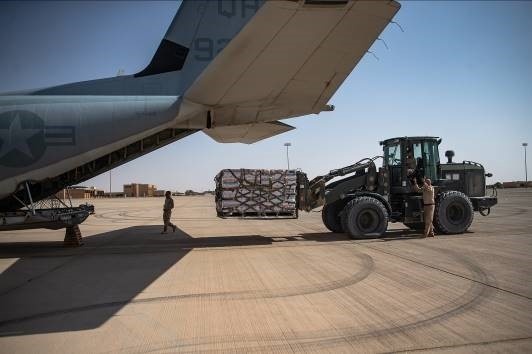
[{"x": 55, "y": 289}]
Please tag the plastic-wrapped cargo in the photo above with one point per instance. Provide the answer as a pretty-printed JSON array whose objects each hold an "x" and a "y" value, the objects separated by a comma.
[{"x": 257, "y": 193}]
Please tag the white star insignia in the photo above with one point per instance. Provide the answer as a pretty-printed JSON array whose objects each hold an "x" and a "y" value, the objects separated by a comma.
[{"x": 16, "y": 138}]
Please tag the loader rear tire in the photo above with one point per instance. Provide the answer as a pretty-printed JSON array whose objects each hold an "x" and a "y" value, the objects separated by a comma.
[
  {"x": 453, "y": 213},
  {"x": 330, "y": 215}
]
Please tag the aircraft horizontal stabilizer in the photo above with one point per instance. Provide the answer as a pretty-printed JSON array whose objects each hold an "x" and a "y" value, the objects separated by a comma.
[
  {"x": 247, "y": 133},
  {"x": 290, "y": 58}
]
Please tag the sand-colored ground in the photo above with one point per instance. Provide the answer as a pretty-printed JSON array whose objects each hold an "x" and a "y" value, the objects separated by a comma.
[{"x": 271, "y": 286}]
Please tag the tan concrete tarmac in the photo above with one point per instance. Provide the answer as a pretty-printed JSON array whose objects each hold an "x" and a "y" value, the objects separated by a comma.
[{"x": 266, "y": 286}]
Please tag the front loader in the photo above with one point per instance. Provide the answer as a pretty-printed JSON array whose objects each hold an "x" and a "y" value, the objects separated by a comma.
[{"x": 363, "y": 202}]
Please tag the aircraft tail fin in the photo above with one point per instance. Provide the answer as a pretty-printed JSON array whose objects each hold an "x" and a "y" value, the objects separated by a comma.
[{"x": 198, "y": 32}]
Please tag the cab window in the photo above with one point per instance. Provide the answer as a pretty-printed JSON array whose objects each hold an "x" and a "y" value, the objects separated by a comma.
[
  {"x": 414, "y": 158},
  {"x": 392, "y": 155},
  {"x": 417, "y": 151}
]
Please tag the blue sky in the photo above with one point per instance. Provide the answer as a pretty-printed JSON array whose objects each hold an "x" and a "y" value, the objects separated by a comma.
[{"x": 461, "y": 71}]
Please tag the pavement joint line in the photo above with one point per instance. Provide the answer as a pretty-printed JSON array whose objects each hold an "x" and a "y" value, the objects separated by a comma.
[
  {"x": 449, "y": 272},
  {"x": 451, "y": 346},
  {"x": 163, "y": 248}
]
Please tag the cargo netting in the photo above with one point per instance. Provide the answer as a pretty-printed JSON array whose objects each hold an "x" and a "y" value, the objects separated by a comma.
[{"x": 256, "y": 193}]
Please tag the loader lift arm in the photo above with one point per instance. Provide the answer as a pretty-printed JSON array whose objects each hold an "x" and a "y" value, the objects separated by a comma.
[
  {"x": 314, "y": 191},
  {"x": 339, "y": 172}
]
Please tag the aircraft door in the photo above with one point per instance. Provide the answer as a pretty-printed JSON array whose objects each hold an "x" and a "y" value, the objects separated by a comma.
[
  {"x": 392, "y": 159},
  {"x": 414, "y": 161}
]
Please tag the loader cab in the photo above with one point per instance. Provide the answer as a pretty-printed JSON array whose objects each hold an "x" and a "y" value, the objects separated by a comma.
[{"x": 407, "y": 156}]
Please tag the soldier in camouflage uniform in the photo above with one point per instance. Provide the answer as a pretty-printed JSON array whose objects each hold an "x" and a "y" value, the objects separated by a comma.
[{"x": 167, "y": 212}]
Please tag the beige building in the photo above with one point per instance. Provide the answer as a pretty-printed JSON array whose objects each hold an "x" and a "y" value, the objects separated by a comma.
[
  {"x": 78, "y": 192},
  {"x": 139, "y": 190},
  {"x": 159, "y": 193},
  {"x": 516, "y": 184}
]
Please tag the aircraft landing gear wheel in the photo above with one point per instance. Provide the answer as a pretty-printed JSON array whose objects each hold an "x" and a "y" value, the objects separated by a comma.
[
  {"x": 453, "y": 213},
  {"x": 364, "y": 217}
]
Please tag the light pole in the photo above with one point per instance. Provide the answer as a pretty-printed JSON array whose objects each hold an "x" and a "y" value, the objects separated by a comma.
[
  {"x": 287, "y": 159},
  {"x": 110, "y": 183},
  {"x": 526, "y": 169}
]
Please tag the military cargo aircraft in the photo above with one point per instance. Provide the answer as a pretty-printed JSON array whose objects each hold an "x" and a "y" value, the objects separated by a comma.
[{"x": 231, "y": 69}]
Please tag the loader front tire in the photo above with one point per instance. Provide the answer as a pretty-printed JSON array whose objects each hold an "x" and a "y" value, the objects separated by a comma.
[{"x": 364, "y": 217}]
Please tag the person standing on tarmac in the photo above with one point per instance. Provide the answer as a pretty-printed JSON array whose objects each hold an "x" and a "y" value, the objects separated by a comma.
[
  {"x": 167, "y": 212},
  {"x": 428, "y": 204}
]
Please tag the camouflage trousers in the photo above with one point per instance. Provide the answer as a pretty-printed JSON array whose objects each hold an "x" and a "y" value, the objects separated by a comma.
[{"x": 167, "y": 214}]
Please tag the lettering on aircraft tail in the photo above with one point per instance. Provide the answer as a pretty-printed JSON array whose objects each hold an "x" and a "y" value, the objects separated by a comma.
[
  {"x": 209, "y": 48},
  {"x": 24, "y": 137},
  {"x": 230, "y": 8}
]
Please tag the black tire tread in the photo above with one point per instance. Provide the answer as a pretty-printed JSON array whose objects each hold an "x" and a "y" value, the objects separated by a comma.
[
  {"x": 331, "y": 222},
  {"x": 355, "y": 202},
  {"x": 438, "y": 224}
]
